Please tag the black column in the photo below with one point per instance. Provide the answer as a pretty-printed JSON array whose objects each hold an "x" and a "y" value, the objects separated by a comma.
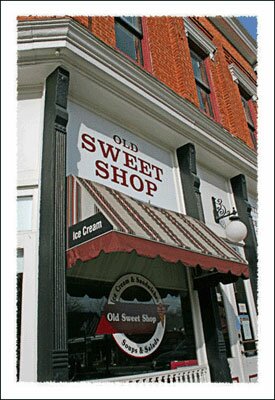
[
  {"x": 214, "y": 341},
  {"x": 52, "y": 323},
  {"x": 238, "y": 184}
]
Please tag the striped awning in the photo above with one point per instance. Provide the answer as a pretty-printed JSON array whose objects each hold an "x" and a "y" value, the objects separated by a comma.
[{"x": 152, "y": 232}]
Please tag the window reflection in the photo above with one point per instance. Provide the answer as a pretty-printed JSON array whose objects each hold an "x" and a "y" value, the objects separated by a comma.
[
  {"x": 129, "y": 36},
  {"x": 93, "y": 356},
  {"x": 201, "y": 79}
]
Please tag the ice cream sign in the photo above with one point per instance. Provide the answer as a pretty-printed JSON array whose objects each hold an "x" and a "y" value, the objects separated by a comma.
[{"x": 123, "y": 319}]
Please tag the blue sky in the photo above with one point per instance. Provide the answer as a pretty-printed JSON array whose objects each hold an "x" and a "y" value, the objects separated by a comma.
[{"x": 250, "y": 24}]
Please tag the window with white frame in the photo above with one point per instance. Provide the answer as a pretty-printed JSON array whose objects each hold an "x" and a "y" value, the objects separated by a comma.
[{"x": 24, "y": 213}]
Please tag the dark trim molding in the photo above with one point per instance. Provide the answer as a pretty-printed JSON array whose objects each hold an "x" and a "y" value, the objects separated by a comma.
[
  {"x": 190, "y": 181},
  {"x": 52, "y": 323},
  {"x": 238, "y": 184},
  {"x": 214, "y": 341}
]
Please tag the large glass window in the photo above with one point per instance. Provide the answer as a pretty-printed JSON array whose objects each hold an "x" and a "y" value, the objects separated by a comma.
[
  {"x": 248, "y": 340},
  {"x": 128, "y": 37},
  {"x": 224, "y": 326},
  {"x": 202, "y": 83},
  {"x": 95, "y": 355}
]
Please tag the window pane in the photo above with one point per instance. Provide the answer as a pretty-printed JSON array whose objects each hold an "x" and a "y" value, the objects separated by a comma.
[
  {"x": 128, "y": 43},
  {"x": 94, "y": 353},
  {"x": 134, "y": 21},
  {"x": 247, "y": 112},
  {"x": 248, "y": 341},
  {"x": 204, "y": 101},
  {"x": 203, "y": 73},
  {"x": 254, "y": 215},
  {"x": 199, "y": 68},
  {"x": 223, "y": 321},
  {"x": 196, "y": 66},
  {"x": 202, "y": 83},
  {"x": 97, "y": 356},
  {"x": 20, "y": 260},
  {"x": 24, "y": 213},
  {"x": 253, "y": 136}
]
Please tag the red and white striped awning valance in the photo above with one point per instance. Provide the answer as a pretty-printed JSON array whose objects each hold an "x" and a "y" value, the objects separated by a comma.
[{"x": 152, "y": 232}]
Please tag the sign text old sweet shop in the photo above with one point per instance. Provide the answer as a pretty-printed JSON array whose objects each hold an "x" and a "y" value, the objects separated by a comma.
[{"x": 120, "y": 163}]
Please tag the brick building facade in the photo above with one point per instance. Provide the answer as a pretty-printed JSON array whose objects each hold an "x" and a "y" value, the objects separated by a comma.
[
  {"x": 149, "y": 123},
  {"x": 167, "y": 58}
]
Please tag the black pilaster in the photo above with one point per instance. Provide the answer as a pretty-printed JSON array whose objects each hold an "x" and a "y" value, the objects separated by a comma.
[
  {"x": 238, "y": 184},
  {"x": 52, "y": 323},
  {"x": 190, "y": 181},
  {"x": 215, "y": 346},
  {"x": 214, "y": 340}
]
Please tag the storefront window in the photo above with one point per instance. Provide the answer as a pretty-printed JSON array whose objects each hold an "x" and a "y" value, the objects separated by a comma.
[
  {"x": 223, "y": 320},
  {"x": 95, "y": 352},
  {"x": 248, "y": 340},
  {"x": 19, "y": 283}
]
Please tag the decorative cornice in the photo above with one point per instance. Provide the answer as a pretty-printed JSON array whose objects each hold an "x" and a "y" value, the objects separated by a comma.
[
  {"x": 241, "y": 79},
  {"x": 32, "y": 90},
  {"x": 199, "y": 38},
  {"x": 232, "y": 30},
  {"x": 85, "y": 55},
  {"x": 242, "y": 33}
]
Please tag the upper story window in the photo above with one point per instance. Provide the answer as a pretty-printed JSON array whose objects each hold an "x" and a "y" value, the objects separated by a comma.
[
  {"x": 201, "y": 50},
  {"x": 202, "y": 83},
  {"x": 248, "y": 93},
  {"x": 128, "y": 37},
  {"x": 246, "y": 105}
]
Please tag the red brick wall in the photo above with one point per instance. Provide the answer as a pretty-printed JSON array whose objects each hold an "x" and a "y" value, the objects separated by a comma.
[
  {"x": 170, "y": 63},
  {"x": 170, "y": 56},
  {"x": 227, "y": 92},
  {"x": 104, "y": 29}
]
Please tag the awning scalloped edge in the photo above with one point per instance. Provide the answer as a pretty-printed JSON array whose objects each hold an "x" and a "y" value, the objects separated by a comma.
[{"x": 119, "y": 242}]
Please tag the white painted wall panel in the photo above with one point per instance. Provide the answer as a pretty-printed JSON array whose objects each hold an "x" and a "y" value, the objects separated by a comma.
[
  {"x": 86, "y": 160},
  {"x": 217, "y": 186},
  {"x": 29, "y": 136}
]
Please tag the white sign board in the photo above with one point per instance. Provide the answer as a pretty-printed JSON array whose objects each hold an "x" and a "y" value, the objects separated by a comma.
[{"x": 103, "y": 152}]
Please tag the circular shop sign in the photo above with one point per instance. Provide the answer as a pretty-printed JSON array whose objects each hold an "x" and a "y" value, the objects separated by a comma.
[{"x": 127, "y": 345}]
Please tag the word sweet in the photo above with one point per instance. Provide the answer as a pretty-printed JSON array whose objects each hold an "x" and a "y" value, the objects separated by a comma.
[{"x": 117, "y": 165}]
